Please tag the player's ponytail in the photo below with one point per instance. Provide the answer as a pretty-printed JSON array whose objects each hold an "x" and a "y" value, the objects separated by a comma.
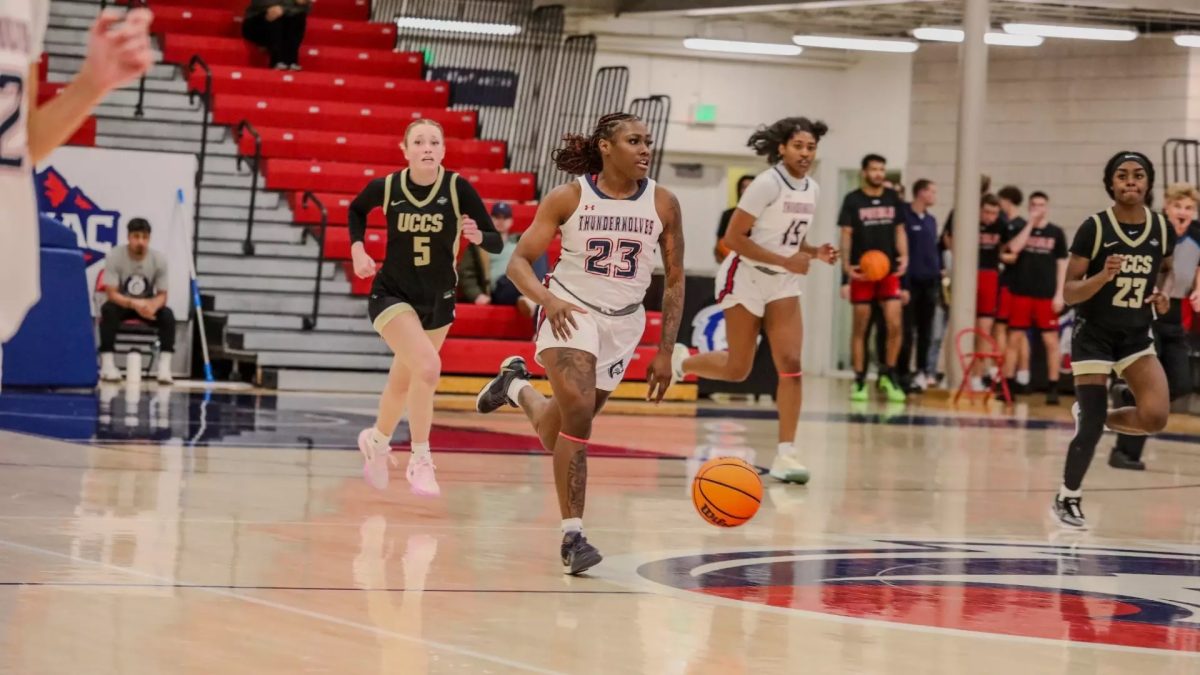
[
  {"x": 580, "y": 154},
  {"x": 767, "y": 139}
]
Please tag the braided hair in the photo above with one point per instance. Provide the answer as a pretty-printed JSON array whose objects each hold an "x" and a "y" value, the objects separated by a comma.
[
  {"x": 766, "y": 140},
  {"x": 580, "y": 154}
]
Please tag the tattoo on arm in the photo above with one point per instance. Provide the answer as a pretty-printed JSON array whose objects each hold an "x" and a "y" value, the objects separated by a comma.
[{"x": 672, "y": 253}]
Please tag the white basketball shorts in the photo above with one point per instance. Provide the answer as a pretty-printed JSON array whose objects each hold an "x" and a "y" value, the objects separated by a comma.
[
  {"x": 739, "y": 282},
  {"x": 611, "y": 339}
]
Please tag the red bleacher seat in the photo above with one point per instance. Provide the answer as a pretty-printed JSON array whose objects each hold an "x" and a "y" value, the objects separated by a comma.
[
  {"x": 473, "y": 356},
  {"x": 338, "y": 207},
  {"x": 345, "y": 60},
  {"x": 262, "y": 82},
  {"x": 490, "y": 321},
  {"x": 301, "y": 175},
  {"x": 354, "y": 10},
  {"x": 505, "y": 323},
  {"x": 337, "y": 117},
  {"x": 337, "y": 245},
  {"x": 367, "y": 148},
  {"x": 319, "y": 32}
]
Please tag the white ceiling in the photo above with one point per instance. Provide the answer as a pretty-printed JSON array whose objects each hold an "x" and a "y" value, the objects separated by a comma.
[{"x": 898, "y": 17}]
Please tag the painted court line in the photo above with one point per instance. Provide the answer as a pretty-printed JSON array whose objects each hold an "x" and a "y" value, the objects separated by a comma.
[{"x": 326, "y": 618}]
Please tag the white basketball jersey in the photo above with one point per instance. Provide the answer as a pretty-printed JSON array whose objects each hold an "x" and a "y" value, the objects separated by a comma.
[
  {"x": 22, "y": 27},
  {"x": 783, "y": 223},
  {"x": 609, "y": 247}
]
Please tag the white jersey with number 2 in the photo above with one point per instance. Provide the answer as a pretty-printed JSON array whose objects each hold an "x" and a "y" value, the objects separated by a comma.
[
  {"x": 22, "y": 29},
  {"x": 609, "y": 247}
]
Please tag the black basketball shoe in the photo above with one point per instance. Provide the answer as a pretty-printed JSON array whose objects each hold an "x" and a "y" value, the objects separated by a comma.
[
  {"x": 578, "y": 556},
  {"x": 494, "y": 395}
]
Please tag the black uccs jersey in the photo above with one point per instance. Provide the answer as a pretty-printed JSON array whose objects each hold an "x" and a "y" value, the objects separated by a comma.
[
  {"x": 1121, "y": 304},
  {"x": 423, "y": 230}
]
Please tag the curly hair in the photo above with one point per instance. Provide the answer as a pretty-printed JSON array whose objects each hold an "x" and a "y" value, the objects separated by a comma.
[
  {"x": 580, "y": 154},
  {"x": 767, "y": 139}
]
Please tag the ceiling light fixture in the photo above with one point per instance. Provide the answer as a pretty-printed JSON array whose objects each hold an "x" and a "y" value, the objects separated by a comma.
[
  {"x": 741, "y": 47},
  {"x": 458, "y": 26},
  {"x": 1109, "y": 33},
  {"x": 856, "y": 44},
  {"x": 943, "y": 34},
  {"x": 1188, "y": 40}
]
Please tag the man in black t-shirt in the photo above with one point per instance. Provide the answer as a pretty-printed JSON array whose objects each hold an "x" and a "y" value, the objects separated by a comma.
[
  {"x": 1011, "y": 199},
  {"x": 1037, "y": 260},
  {"x": 719, "y": 250},
  {"x": 872, "y": 220},
  {"x": 993, "y": 235}
]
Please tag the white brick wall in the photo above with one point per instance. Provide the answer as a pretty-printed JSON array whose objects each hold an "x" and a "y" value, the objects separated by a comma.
[{"x": 1055, "y": 114}]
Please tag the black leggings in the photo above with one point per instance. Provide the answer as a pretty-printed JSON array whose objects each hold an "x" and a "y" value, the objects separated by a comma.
[
  {"x": 918, "y": 320},
  {"x": 281, "y": 37},
  {"x": 112, "y": 316}
]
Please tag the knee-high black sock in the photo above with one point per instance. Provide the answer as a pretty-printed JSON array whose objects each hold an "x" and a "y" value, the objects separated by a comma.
[{"x": 1093, "y": 409}]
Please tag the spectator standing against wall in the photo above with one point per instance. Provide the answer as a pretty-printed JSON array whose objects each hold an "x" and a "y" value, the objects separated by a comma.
[
  {"x": 278, "y": 25},
  {"x": 135, "y": 280},
  {"x": 923, "y": 283}
]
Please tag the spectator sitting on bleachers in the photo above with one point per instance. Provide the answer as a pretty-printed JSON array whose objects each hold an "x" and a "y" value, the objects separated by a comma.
[
  {"x": 279, "y": 26},
  {"x": 135, "y": 280},
  {"x": 481, "y": 274}
]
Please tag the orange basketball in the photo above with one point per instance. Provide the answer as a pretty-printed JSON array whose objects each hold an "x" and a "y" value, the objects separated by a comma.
[
  {"x": 727, "y": 491},
  {"x": 874, "y": 265}
]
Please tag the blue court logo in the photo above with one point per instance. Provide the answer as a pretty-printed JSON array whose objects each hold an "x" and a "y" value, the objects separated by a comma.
[{"x": 1114, "y": 596}]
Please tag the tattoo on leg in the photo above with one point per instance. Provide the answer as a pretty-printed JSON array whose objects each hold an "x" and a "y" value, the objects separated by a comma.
[{"x": 577, "y": 482}]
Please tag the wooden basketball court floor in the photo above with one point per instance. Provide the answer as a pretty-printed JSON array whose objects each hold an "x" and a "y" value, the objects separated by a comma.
[{"x": 194, "y": 532}]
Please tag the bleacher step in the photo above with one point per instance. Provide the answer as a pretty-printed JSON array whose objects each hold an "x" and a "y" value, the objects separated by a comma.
[{"x": 298, "y": 379}]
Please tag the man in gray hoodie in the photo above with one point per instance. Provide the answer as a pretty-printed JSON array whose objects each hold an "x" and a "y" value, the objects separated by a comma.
[{"x": 279, "y": 26}]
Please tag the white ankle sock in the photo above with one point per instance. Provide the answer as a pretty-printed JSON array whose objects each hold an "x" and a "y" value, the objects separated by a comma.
[
  {"x": 786, "y": 449},
  {"x": 1022, "y": 377},
  {"x": 420, "y": 450},
  {"x": 1064, "y": 493},
  {"x": 379, "y": 442},
  {"x": 515, "y": 387},
  {"x": 570, "y": 525}
]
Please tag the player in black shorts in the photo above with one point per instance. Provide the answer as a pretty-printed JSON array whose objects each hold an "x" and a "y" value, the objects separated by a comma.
[
  {"x": 1118, "y": 275},
  {"x": 428, "y": 211}
]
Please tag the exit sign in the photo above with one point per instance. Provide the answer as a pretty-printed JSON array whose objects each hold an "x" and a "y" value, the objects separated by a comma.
[{"x": 704, "y": 113}]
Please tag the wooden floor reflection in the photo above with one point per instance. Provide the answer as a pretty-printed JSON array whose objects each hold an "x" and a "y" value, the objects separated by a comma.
[{"x": 921, "y": 546}]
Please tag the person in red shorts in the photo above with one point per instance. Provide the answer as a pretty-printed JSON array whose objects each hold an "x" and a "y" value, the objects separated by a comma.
[
  {"x": 1038, "y": 256},
  {"x": 1011, "y": 199},
  {"x": 872, "y": 220},
  {"x": 992, "y": 236}
]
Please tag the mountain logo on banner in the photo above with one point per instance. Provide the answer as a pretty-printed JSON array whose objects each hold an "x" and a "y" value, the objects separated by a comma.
[{"x": 95, "y": 228}]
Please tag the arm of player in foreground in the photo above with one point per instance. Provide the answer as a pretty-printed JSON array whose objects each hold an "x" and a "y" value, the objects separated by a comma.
[
  {"x": 116, "y": 55},
  {"x": 671, "y": 245},
  {"x": 552, "y": 212}
]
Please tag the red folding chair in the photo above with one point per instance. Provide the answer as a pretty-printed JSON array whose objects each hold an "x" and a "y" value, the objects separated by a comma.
[{"x": 968, "y": 357}]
